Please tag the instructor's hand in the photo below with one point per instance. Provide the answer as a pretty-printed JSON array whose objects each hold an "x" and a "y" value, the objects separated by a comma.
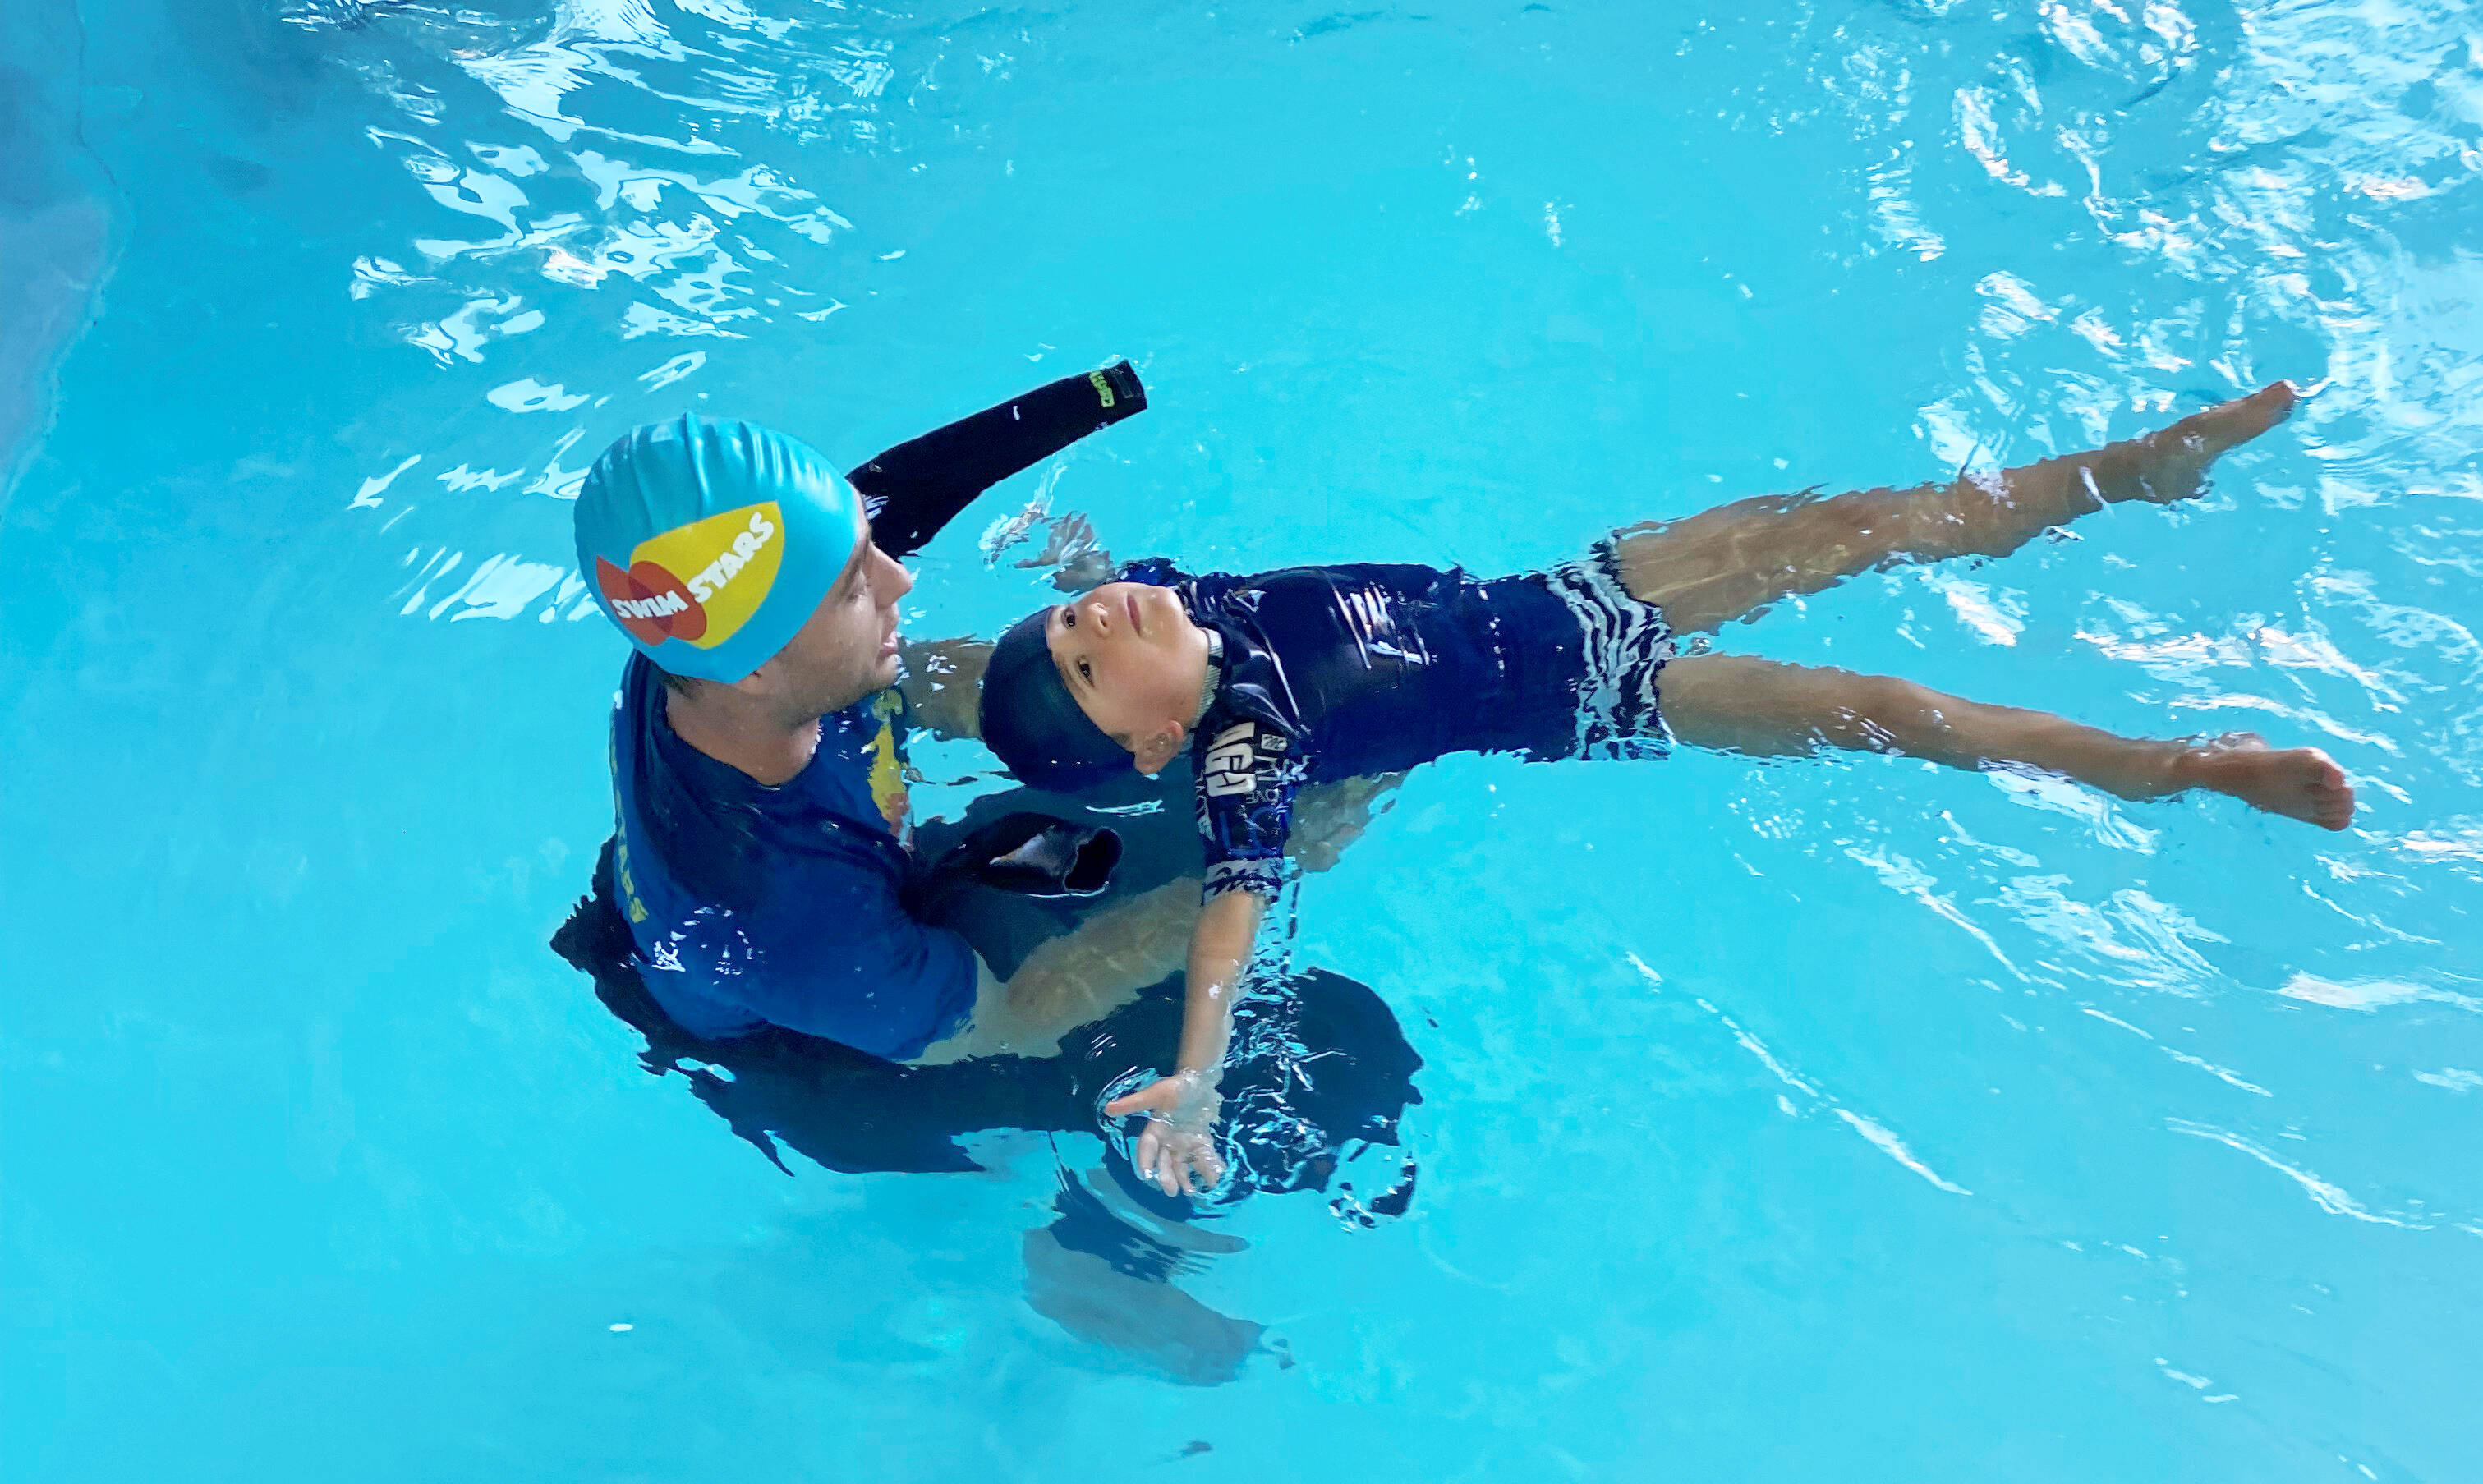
[{"x": 1177, "y": 1148}]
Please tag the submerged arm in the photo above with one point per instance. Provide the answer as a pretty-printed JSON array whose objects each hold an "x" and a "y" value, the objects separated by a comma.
[
  {"x": 1078, "y": 977},
  {"x": 943, "y": 681}
]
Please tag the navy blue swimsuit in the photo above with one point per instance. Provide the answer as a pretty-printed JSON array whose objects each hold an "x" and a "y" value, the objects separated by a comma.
[{"x": 1330, "y": 672}]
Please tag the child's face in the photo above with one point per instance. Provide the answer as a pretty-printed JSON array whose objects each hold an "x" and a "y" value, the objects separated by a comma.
[{"x": 1132, "y": 659}]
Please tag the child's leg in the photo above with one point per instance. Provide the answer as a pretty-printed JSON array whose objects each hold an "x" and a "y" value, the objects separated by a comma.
[
  {"x": 1754, "y": 706},
  {"x": 1724, "y": 564}
]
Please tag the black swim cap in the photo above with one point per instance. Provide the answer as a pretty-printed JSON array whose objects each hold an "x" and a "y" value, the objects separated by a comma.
[{"x": 1030, "y": 720}]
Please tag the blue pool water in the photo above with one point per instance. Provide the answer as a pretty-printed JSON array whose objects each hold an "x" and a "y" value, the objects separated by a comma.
[{"x": 1830, "y": 1119}]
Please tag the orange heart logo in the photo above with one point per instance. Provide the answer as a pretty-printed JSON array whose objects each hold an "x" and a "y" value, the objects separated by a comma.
[{"x": 651, "y": 604}]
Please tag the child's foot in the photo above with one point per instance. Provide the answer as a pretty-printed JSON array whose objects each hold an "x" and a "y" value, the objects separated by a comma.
[
  {"x": 2168, "y": 466},
  {"x": 2300, "y": 782}
]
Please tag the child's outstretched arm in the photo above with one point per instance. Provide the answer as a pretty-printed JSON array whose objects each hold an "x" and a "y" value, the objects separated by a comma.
[{"x": 1177, "y": 1149}]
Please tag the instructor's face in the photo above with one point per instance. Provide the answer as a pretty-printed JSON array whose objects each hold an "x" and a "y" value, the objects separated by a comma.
[{"x": 848, "y": 650}]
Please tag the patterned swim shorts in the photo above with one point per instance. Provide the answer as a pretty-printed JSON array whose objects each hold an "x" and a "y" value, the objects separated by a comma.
[{"x": 1627, "y": 644}]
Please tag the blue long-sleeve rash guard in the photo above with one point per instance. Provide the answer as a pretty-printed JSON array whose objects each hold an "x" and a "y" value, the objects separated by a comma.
[
  {"x": 781, "y": 906},
  {"x": 753, "y": 906}
]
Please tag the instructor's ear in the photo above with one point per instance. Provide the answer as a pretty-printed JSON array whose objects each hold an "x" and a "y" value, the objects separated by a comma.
[{"x": 1161, "y": 747}]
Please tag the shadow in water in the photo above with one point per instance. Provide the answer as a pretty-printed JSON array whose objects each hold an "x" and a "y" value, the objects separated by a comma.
[{"x": 1321, "y": 1075}]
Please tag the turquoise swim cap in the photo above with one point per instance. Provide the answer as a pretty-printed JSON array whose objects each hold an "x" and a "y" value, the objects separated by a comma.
[{"x": 711, "y": 541}]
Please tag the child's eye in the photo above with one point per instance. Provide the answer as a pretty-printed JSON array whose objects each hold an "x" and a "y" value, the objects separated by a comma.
[
  {"x": 1086, "y": 672},
  {"x": 1068, "y": 617}
]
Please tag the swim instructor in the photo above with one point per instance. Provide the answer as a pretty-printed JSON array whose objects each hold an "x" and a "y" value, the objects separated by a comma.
[{"x": 760, "y": 854}]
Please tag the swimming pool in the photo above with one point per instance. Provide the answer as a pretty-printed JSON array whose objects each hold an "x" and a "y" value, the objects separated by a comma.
[{"x": 1839, "y": 1120}]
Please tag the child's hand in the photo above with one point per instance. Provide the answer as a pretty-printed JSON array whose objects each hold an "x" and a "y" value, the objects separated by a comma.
[
  {"x": 1177, "y": 1148},
  {"x": 1071, "y": 547}
]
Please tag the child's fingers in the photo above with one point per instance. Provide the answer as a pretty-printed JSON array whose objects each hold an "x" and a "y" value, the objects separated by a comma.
[{"x": 1142, "y": 1101}]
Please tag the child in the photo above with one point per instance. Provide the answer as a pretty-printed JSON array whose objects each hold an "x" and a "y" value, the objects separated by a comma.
[{"x": 1316, "y": 674}]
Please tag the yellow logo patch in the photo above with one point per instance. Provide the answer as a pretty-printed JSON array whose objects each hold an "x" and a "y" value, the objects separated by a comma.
[{"x": 700, "y": 582}]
